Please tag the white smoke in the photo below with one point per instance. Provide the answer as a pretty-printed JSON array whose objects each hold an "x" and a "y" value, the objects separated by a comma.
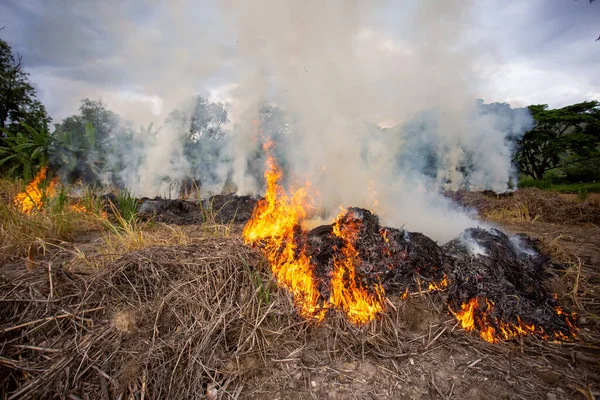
[
  {"x": 329, "y": 66},
  {"x": 341, "y": 70}
]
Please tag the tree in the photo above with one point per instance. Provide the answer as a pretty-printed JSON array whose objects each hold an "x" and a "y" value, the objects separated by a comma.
[
  {"x": 104, "y": 121},
  {"x": 75, "y": 156},
  {"x": 560, "y": 137},
  {"x": 17, "y": 96},
  {"x": 84, "y": 141},
  {"x": 203, "y": 119},
  {"x": 201, "y": 127}
]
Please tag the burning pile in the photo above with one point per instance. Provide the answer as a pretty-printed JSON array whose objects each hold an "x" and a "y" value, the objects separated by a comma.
[
  {"x": 493, "y": 282},
  {"x": 497, "y": 287}
]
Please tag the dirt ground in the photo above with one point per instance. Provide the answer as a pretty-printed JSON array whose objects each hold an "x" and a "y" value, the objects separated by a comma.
[{"x": 205, "y": 320}]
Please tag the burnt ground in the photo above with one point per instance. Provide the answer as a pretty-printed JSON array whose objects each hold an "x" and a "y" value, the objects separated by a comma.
[
  {"x": 205, "y": 320},
  {"x": 222, "y": 209}
]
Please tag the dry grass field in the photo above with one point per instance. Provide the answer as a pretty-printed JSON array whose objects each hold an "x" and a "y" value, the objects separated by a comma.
[{"x": 98, "y": 306}]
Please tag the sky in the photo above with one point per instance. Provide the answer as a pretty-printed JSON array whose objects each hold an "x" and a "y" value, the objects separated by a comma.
[{"x": 141, "y": 57}]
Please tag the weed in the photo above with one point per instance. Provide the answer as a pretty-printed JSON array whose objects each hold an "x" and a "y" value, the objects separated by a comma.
[
  {"x": 263, "y": 290},
  {"x": 126, "y": 205},
  {"x": 127, "y": 233},
  {"x": 583, "y": 194},
  {"x": 210, "y": 225}
]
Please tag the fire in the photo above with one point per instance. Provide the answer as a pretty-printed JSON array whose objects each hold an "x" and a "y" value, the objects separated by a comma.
[
  {"x": 273, "y": 226},
  {"x": 384, "y": 233},
  {"x": 443, "y": 284},
  {"x": 404, "y": 295},
  {"x": 78, "y": 207},
  {"x": 347, "y": 294},
  {"x": 36, "y": 193},
  {"x": 476, "y": 315}
]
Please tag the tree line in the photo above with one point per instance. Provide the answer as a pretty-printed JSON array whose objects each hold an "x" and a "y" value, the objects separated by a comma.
[{"x": 96, "y": 143}]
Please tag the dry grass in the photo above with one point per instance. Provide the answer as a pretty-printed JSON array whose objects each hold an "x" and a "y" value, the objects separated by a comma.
[
  {"x": 153, "y": 311},
  {"x": 528, "y": 205},
  {"x": 51, "y": 229},
  {"x": 211, "y": 218},
  {"x": 204, "y": 320},
  {"x": 135, "y": 237},
  {"x": 572, "y": 284},
  {"x": 175, "y": 317},
  {"x": 519, "y": 212},
  {"x": 129, "y": 234},
  {"x": 24, "y": 234}
]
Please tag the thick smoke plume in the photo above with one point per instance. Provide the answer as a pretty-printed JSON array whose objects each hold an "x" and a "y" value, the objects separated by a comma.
[
  {"x": 341, "y": 77},
  {"x": 374, "y": 103}
]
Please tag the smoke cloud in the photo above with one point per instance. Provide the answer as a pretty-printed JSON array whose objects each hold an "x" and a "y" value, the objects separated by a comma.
[
  {"x": 374, "y": 103},
  {"x": 340, "y": 77}
]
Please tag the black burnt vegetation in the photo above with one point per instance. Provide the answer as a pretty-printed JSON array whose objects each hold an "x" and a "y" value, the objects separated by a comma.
[{"x": 483, "y": 265}]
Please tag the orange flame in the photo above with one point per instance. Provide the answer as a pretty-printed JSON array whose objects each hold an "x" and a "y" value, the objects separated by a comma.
[
  {"x": 471, "y": 317},
  {"x": 383, "y": 232},
  {"x": 347, "y": 294},
  {"x": 35, "y": 193},
  {"x": 273, "y": 225},
  {"x": 78, "y": 207},
  {"x": 443, "y": 284},
  {"x": 404, "y": 295}
]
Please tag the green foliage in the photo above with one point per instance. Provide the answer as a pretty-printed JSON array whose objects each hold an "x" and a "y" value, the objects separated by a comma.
[
  {"x": 17, "y": 96},
  {"x": 582, "y": 189},
  {"x": 126, "y": 153},
  {"x": 200, "y": 125},
  {"x": 591, "y": 187},
  {"x": 24, "y": 137},
  {"x": 561, "y": 137},
  {"x": 261, "y": 285},
  {"x": 59, "y": 201},
  {"x": 527, "y": 181},
  {"x": 583, "y": 194},
  {"x": 25, "y": 150},
  {"x": 94, "y": 112},
  {"x": 126, "y": 205},
  {"x": 582, "y": 169},
  {"x": 76, "y": 155}
]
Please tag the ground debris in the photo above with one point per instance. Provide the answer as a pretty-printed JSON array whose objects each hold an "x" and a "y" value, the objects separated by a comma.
[
  {"x": 529, "y": 204},
  {"x": 505, "y": 276},
  {"x": 495, "y": 282},
  {"x": 222, "y": 209},
  {"x": 395, "y": 258}
]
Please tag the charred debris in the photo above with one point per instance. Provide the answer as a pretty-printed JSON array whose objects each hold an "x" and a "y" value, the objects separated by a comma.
[
  {"x": 221, "y": 208},
  {"x": 494, "y": 281}
]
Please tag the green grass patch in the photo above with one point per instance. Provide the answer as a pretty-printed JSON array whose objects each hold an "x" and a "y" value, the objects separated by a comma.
[
  {"x": 550, "y": 184},
  {"x": 592, "y": 187}
]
